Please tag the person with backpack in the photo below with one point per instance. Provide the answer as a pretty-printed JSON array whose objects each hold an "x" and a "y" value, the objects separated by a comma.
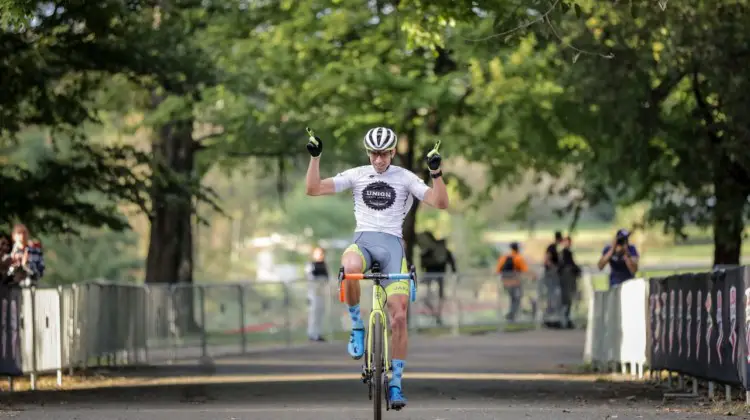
[{"x": 511, "y": 268}]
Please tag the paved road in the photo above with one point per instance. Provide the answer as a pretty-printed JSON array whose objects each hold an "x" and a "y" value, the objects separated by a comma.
[{"x": 507, "y": 376}]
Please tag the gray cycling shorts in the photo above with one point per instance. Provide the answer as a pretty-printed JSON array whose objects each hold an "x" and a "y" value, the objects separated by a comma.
[{"x": 388, "y": 251}]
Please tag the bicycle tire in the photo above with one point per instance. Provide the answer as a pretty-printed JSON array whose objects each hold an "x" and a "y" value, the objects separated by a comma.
[{"x": 377, "y": 377}]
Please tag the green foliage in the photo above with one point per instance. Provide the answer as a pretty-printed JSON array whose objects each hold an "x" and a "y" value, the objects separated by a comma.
[
  {"x": 642, "y": 106},
  {"x": 322, "y": 219},
  {"x": 54, "y": 191},
  {"x": 341, "y": 73},
  {"x": 56, "y": 58},
  {"x": 668, "y": 124},
  {"x": 94, "y": 254},
  {"x": 622, "y": 105}
]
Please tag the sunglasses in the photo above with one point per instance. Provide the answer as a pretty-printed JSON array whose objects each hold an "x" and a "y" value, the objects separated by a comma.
[{"x": 379, "y": 153}]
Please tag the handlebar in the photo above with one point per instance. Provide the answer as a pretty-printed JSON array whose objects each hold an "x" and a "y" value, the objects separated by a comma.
[{"x": 377, "y": 276}]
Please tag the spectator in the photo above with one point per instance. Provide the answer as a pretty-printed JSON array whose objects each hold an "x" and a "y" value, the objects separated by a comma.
[
  {"x": 552, "y": 275},
  {"x": 27, "y": 258},
  {"x": 511, "y": 268},
  {"x": 5, "y": 259},
  {"x": 317, "y": 276},
  {"x": 552, "y": 256},
  {"x": 621, "y": 257},
  {"x": 435, "y": 260},
  {"x": 569, "y": 275}
]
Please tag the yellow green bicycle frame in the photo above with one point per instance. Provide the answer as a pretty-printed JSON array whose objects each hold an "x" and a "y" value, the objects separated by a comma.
[{"x": 378, "y": 302}]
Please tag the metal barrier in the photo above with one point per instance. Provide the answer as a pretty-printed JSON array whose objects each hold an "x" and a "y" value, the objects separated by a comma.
[
  {"x": 616, "y": 332},
  {"x": 112, "y": 324}
]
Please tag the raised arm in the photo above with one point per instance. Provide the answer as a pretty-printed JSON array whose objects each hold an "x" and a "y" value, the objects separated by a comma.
[
  {"x": 313, "y": 184},
  {"x": 437, "y": 195}
]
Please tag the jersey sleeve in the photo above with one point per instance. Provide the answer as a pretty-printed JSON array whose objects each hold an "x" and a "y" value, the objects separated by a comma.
[
  {"x": 416, "y": 186},
  {"x": 344, "y": 180},
  {"x": 633, "y": 251}
]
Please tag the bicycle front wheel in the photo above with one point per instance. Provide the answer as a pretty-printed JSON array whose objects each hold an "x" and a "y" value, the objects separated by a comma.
[{"x": 377, "y": 377}]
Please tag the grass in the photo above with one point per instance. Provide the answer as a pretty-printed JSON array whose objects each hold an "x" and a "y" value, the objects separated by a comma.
[
  {"x": 588, "y": 243},
  {"x": 601, "y": 281}
]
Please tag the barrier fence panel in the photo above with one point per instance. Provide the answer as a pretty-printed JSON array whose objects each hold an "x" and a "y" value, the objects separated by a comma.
[
  {"x": 698, "y": 325},
  {"x": 692, "y": 324},
  {"x": 110, "y": 324},
  {"x": 617, "y": 326},
  {"x": 11, "y": 359},
  {"x": 634, "y": 320},
  {"x": 106, "y": 324}
]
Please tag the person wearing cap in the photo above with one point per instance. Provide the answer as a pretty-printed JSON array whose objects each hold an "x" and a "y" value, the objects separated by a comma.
[
  {"x": 622, "y": 258},
  {"x": 511, "y": 267}
]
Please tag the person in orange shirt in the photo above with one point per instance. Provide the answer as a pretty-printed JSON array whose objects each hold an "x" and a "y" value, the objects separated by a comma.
[{"x": 512, "y": 268}]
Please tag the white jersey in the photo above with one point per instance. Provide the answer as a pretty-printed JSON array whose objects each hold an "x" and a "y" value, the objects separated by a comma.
[{"x": 381, "y": 201}]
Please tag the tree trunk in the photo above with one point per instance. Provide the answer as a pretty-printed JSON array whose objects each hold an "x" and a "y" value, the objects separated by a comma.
[
  {"x": 728, "y": 213},
  {"x": 410, "y": 222},
  {"x": 170, "y": 251}
]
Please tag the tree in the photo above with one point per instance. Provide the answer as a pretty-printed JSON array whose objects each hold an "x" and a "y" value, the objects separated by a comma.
[
  {"x": 65, "y": 64},
  {"x": 644, "y": 101},
  {"x": 173, "y": 146},
  {"x": 52, "y": 66},
  {"x": 668, "y": 124}
]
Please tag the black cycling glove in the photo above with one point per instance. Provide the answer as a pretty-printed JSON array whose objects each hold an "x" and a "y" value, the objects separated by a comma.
[
  {"x": 314, "y": 144},
  {"x": 433, "y": 158}
]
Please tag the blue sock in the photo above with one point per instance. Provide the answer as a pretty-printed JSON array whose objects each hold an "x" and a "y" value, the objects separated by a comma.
[
  {"x": 356, "y": 317},
  {"x": 398, "y": 372}
]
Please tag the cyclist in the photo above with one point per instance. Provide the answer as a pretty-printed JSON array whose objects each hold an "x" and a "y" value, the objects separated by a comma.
[{"x": 383, "y": 195}]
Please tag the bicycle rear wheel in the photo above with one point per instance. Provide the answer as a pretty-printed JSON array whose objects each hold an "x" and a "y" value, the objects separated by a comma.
[{"x": 377, "y": 377}]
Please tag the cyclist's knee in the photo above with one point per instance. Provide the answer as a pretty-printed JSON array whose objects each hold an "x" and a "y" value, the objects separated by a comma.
[
  {"x": 397, "y": 313},
  {"x": 398, "y": 320},
  {"x": 352, "y": 262}
]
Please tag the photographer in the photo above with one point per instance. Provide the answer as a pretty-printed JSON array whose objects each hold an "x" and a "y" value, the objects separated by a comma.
[
  {"x": 26, "y": 258},
  {"x": 622, "y": 258}
]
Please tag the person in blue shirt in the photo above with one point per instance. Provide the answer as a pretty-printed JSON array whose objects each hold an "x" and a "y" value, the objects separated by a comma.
[{"x": 622, "y": 258}]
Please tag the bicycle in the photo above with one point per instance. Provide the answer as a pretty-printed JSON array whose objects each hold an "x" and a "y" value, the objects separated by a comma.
[{"x": 376, "y": 357}]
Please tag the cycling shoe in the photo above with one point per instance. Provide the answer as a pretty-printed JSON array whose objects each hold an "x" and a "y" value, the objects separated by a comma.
[{"x": 356, "y": 346}]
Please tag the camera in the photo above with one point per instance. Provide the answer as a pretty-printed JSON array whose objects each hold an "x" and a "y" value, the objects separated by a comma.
[{"x": 621, "y": 237}]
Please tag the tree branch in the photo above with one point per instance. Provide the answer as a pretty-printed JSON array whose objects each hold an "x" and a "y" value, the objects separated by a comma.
[
  {"x": 704, "y": 108},
  {"x": 198, "y": 143},
  {"x": 659, "y": 93}
]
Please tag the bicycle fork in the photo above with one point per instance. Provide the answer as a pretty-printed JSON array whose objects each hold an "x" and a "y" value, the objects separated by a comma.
[{"x": 378, "y": 300}]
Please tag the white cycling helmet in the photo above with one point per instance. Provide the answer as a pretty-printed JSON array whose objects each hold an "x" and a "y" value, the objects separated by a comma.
[{"x": 380, "y": 139}]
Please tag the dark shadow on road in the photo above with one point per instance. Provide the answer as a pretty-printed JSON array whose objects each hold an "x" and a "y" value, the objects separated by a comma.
[{"x": 338, "y": 391}]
